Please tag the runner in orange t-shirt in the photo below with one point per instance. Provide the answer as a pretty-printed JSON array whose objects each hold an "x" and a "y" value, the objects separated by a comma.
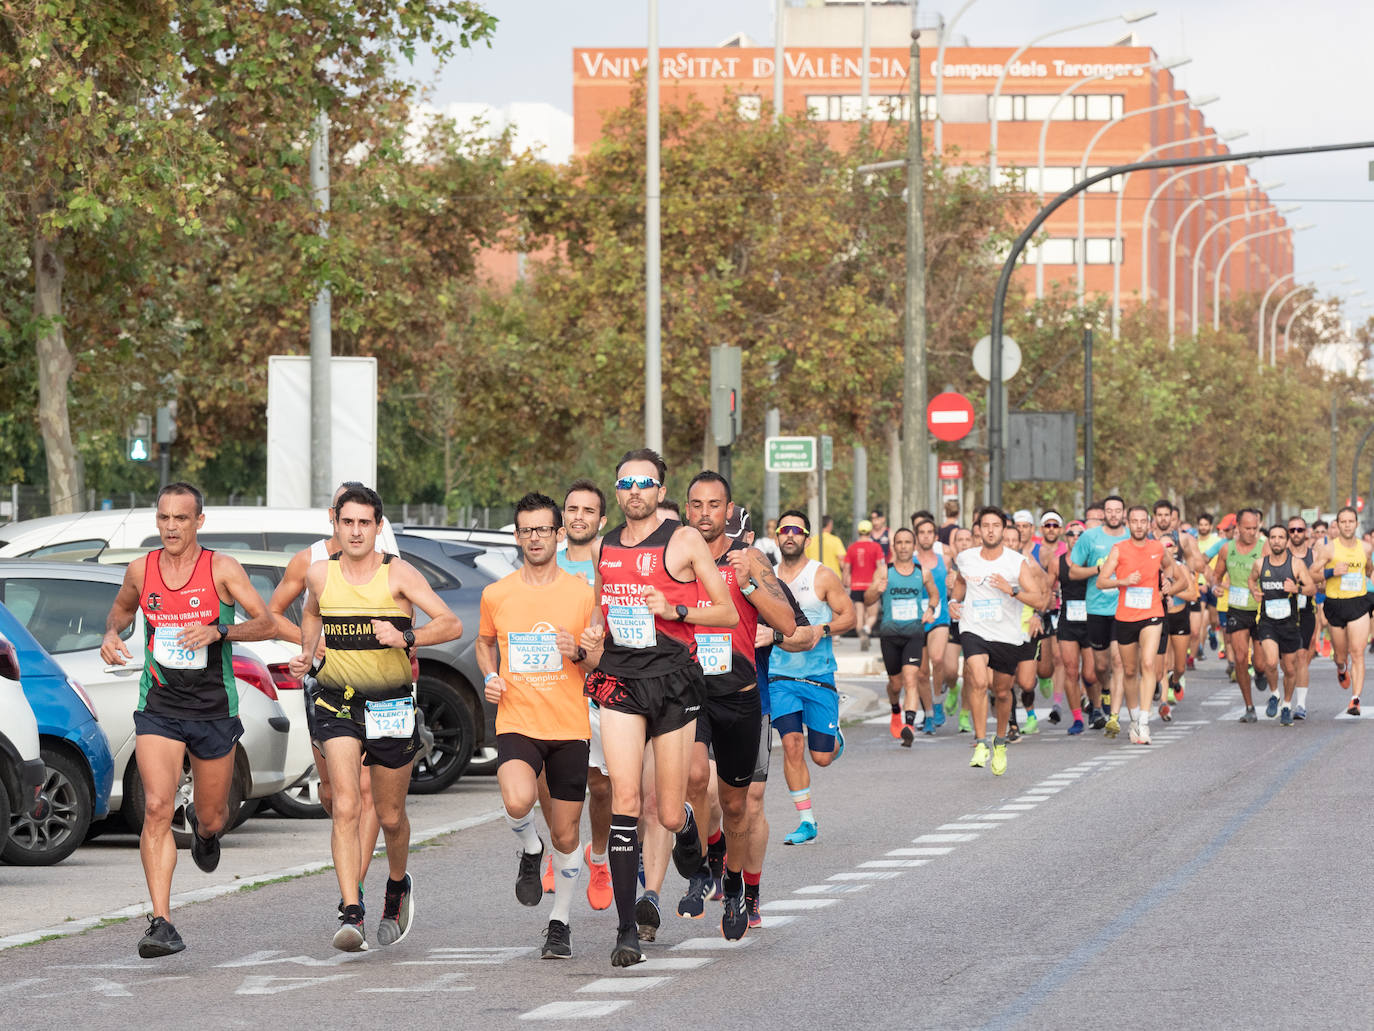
[{"x": 530, "y": 652}]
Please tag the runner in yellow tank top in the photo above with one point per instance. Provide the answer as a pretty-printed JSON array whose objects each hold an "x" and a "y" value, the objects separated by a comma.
[
  {"x": 363, "y": 602},
  {"x": 1345, "y": 562}
]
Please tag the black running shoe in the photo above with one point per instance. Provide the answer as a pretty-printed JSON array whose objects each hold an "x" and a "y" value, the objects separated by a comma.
[
  {"x": 1099, "y": 719},
  {"x": 626, "y": 952},
  {"x": 1013, "y": 733},
  {"x": 160, "y": 940},
  {"x": 693, "y": 902},
  {"x": 734, "y": 919},
  {"x": 715, "y": 861},
  {"x": 205, "y": 851},
  {"x": 529, "y": 888},
  {"x": 397, "y": 912},
  {"x": 557, "y": 941},
  {"x": 647, "y": 916},
  {"x": 350, "y": 936},
  {"x": 687, "y": 854},
  {"x": 361, "y": 904},
  {"x": 908, "y": 735}
]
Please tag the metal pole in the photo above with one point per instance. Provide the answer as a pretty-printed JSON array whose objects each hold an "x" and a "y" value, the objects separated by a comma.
[
  {"x": 863, "y": 75},
  {"x": 1264, "y": 303},
  {"x": 772, "y": 418},
  {"x": 321, "y": 399},
  {"x": 860, "y": 501},
  {"x": 1355, "y": 466},
  {"x": 1087, "y": 417},
  {"x": 915, "y": 443},
  {"x": 945, "y": 31},
  {"x": 1226, "y": 254},
  {"x": 1335, "y": 454},
  {"x": 999, "y": 297},
  {"x": 653, "y": 299}
]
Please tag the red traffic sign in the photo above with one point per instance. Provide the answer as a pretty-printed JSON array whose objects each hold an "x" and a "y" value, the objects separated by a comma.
[
  {"x": 949, "y": 416},
  {"x": 1359, "y": 504},
  {"x": 951, "y": 470}
]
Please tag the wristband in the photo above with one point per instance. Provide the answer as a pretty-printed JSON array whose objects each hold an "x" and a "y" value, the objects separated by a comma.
[{"x": 489, "y": 678}]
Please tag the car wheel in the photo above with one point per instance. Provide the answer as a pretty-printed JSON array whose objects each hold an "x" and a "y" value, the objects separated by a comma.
[
  {"x": 301, "y": 802},
  {"x": 4, "y": 806},
  {"x": 51, "y": 839},
  {"x": 448, "y": 718},
  {"x": 135, "y": 802}
]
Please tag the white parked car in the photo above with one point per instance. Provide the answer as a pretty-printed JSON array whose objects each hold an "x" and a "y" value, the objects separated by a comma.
[
  {"x": 73, "y": 538},
  {"x": 22, "y": 770},
  {"x": 64, "y": 606}
]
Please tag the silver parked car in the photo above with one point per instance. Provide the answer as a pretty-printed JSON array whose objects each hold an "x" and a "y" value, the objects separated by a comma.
[{"x": 64, "y": 606}]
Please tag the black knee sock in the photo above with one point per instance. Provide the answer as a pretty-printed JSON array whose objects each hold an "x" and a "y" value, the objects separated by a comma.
[
  {"x": 623, "y": 857},
  {"x": 689, "y": 826}
]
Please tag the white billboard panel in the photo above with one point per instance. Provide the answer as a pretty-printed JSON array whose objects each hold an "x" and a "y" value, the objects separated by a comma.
[{"x": 353, "y": 440}]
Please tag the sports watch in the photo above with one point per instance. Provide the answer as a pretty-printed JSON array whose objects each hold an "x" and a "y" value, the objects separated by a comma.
[
  {"x": 223, "y": 631},
  {"x": 409, "y": 638},
  {"x": 681, "y": 613}
]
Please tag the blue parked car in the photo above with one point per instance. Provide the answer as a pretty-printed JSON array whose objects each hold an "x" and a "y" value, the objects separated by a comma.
[{"x": 80, "y": 768}]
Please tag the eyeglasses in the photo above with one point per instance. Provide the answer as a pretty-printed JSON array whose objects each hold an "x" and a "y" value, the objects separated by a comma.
[
  {"x": 1051, "y": 524},
  {"x": 636, "y": 482},
  {"x": 1297, "y": 529},
  {"x": 1073, "y": 533},
  {"x": 796, "y": 531},
  {"x": 526, "y": 532}
]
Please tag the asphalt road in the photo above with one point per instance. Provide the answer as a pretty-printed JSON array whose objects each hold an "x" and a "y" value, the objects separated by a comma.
[{"x": 1212, "y": 879}]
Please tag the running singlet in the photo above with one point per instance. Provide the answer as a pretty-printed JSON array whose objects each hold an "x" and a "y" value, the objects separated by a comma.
[
  {"x": 940, "y": 574},
  {"x": 585, "y": 568},
  {"x": 727, "y": 656},
  {"x": 1073, "y": 594},
  {"x": 354, "y": 660},
  {"x": 638, "y": 643},
  {"x": 1238, "y": 566},
  {"x": 192, "y": 684},
  {"x": 863, "y": 558},
  {"x": 1092, "y": 549},
  {"x": 543, "y": 697},
  {"x": 820, "y": 660},
  {"x": 1278, "y": 606},
  {"x": 987, "y": 612},
  {"x": 1142, "y": 601},
  {"x": 1351, "y": 583},
  {"x": 1302, "y": 599},
  {"x": 903, "y": 602}
]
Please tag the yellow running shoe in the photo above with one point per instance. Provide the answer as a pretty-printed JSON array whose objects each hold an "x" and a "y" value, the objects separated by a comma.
[
  {"x": 1113, "y": 727},
  {"x": 980, "y": 756},
  {"x": 999, "y": 760}
]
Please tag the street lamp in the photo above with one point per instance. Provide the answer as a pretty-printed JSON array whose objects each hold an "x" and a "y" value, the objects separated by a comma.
[
  {"x": 1119, "y": 253},
  {"x": 1130, "y": 18},
  {"x": 1302, "y": 308},
  {"x": 1274, "y": 319},
  {"x": 1202, "y": 247},
  {"x": 1221, "y": 262},
  {"x": 1148, "y": 221},
  {"x": 945, "y": 32},
  {"x": 1264, "y": 301},
  {"x": 1080, "y": 242},
  {"x": 1166, "y": 65},
  {"x": 1173, "y": 244}
]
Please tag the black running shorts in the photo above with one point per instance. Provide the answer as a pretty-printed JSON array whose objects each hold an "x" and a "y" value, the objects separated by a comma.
[
  {"x": 1101, "y": 632},
  {"x": 667, "y": 703},
  {"x": 1287, "y": 635},
  {"x": 1240, "y": 619},
  {"x": 1341, "y": 612},
  {"x": 1002, "y": 658},
  {"x": 204, "y": 739},
  {"x": 729, "y": 727},
  {"x": 335, "y": 717},
  {"x": 564, "y": 763},
  {"x": 1128, "y": 631},
  {"x": 765, "y": 751},
  {"x": 901, "y": 651}
]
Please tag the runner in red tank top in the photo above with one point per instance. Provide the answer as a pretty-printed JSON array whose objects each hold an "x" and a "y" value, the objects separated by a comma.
[
  {"x": 1134, "y": 567},
  {"x": 648, "y": 683}
]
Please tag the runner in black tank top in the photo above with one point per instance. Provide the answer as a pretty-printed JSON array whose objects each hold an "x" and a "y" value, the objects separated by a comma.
[
  {"x": 1300, "y": 545},
  {"x": 1072, "y": 638},
  {"x": 648, "y": 684},
  {"x": 1280, "y": 577}
]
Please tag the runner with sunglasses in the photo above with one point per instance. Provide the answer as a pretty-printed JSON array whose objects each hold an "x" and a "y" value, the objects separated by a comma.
[
  {"x": 1302, "y": 547},
  {"x": 1345, "y": 563},
  {"x": 1071, "y": 636},
  {"x": 648, "y": 683},
  {"x": 1276, "y": 581}
]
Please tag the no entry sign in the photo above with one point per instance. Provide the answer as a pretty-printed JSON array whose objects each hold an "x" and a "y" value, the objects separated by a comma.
[{"x": 949, "y": 416}]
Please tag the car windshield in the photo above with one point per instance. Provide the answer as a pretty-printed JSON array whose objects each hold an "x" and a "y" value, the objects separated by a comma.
[{"x": 63, "y": 615}]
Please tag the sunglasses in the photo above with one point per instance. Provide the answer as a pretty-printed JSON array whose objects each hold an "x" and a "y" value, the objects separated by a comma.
[
  {"x": 1297, "y": 529},
  {"x": 636, "y": 483},
  {"x": 1052, "y": 525},
  {"x": 796, "y": 531}
]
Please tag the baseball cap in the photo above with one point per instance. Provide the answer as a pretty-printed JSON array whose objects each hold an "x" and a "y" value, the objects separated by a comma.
[
  {"x": 1023, "y": 516},
  {"x": 1227, "y": 521},
  {"x": 1051, "y": 517},
  {"x": 865, "y": 526}
]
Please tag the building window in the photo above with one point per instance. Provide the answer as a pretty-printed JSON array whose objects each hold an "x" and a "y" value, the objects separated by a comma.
[
  {"x": 1035, "y": 107},
  {"x": 749, "y": 106},
  {"x": 848, "y": 107},
  {"x": 1063, "y": 251},
  {"x": 1058, "y": 178}
]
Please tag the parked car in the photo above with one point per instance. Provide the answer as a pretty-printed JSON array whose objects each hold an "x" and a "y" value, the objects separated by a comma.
[
  {"x": 64, "y": 605},
  {"x": 243, "y": 527},
  {"x": 500, "y": 554},
  {"x": 21, "y": 762},
  {"x": 76, "y": 755}
]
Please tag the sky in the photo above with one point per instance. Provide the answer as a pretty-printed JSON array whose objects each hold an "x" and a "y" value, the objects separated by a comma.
[{"x": 1291, "y": 75}]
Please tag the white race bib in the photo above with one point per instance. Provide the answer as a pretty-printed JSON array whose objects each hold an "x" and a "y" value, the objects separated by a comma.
[
  {"x": 1277, "y": 608},
  {"x": 632, "y": 626},
  {"x": 533, "y": 653},
  {"x": 1076, "y": 611},
  {"x": 986, "y": 610},
  {"x": 168, "y": 654},
  {"x": 1139, "y": 597},
  {"x": 1302, "y": 602},
  {"x": 391, "y": 717},
  {"x": 1238, "y": 597},
  {"x": 1353, "y": 581},
  {"x": 713, "y": 652},
  {"x": 906, "y": 609}
]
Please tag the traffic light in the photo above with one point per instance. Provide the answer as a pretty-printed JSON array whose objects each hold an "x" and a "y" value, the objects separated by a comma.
[
  {"x": 140, "y": 440},
  {"x": 726, "y": 373},
  {"x": 167, "y": 423}
]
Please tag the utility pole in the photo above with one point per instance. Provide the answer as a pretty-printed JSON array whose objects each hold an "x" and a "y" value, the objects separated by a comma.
[
  {"x": 653, "y": 299},
  {"x": 321, "y": 308},
  {"x": 772, "y": 418},
  {"x": 1087, "y": 417},
  {"x": 915, "y": 446},
  {"x": 1335, "y": 453}
]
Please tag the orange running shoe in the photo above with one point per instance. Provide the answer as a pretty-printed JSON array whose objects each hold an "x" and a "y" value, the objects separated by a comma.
[
  {"x": 896, "y": 724},
  {"x": 599, "y": 894},
  {"x": 548, "y": 875}
]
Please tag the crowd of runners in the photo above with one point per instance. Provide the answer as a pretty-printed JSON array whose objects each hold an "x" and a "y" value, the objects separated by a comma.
[{"x": 642, "y": 671}]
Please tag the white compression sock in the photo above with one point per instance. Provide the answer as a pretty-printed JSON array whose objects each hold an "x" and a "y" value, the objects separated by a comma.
[
  {"x": 566, "y": 869},
  {"x": 1300, "y": 696},
  {"x": 525, "y": 830}
]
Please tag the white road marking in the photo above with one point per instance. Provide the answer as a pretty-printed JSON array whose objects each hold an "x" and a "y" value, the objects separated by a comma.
[
  {"x": 777, "y": 921},
  {"x": 919, "y": 852},
  {"x": 575, "y": 1010},
  {"x": 617, "y": 985},
  {"x": 837, "y": 889},
  {"x": 893, "y": 863},
  {"x": 967, "y": 826},
  {"x": 937, "y": 839},
  {"x": 266, "y": 984},
  {"x": 673, "y": 963},
  {"x": 863, "y": 875},
  {"x": 711, "y": 944},
  {"x": 782, "y": 905},
  {"x": 1017, "y": 808},
  {"x": 1030, "y": 798},
  {"x": 442, "y": 983},
  {"x": 1046, "y": 789}
]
